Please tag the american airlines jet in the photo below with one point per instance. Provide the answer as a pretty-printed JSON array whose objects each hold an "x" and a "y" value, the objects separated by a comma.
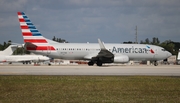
[{"x": 96, "y": 53}]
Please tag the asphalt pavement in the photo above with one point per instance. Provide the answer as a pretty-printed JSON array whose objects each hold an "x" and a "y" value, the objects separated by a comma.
[{"x": 118, "y": 70}]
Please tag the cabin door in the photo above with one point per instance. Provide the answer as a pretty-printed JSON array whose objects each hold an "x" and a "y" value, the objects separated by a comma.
[{"x": 155, "y": 52}]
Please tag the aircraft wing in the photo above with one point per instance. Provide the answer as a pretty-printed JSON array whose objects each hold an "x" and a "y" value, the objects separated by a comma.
[
  {"x": 104, "y": 55},
  {"x": 104, "y": 52}
]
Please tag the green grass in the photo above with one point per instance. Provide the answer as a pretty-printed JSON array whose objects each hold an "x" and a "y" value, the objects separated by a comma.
[{"x": 88, "y": 89}]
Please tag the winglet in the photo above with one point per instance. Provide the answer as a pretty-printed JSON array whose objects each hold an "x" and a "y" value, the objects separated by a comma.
[{"x": 101, "y": 45}]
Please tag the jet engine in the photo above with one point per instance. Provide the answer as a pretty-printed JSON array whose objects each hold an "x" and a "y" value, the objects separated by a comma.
[{"x": 121, "y": 59}]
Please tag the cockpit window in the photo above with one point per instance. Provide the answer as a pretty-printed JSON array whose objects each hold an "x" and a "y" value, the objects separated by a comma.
[{"x": 163, "y": 49}]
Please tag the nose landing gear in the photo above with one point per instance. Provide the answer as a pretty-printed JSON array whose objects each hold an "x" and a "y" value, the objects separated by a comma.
[{"x": 155, "y": 63}]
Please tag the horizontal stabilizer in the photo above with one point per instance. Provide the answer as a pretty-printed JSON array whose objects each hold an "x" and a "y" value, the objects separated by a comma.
[{"x": 29, "y": 46}]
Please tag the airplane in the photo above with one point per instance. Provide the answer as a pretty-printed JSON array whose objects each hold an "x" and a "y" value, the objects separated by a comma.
[
  {"x": 6, "y": 56},
  {"x": 25, "y": 59},
  {"x": 96, "y": 53}
]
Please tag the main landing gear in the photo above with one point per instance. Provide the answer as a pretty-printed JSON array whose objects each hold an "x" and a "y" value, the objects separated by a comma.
[
  {"x": 99, "y": 63},
  {"x": 91, "y": 63}
]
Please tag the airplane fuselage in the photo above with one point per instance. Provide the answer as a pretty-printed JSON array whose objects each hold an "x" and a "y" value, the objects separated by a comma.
[
  {"x": 22, "y": 58},
  {"x": 81, "y": 51}
]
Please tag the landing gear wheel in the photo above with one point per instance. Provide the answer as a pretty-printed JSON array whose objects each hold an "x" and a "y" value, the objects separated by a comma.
[
  {"x": 91, "y": 63},
  {"x": 99, "y": 63},
  {"x": 155, "y": 63}
]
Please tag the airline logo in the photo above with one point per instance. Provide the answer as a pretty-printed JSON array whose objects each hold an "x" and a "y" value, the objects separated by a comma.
[
  {"x": 132, "y": 50},
  {"x": 32, "y": 35},
  {"x": 129, "y": 50},
  {"x": 151, "y": 50}
]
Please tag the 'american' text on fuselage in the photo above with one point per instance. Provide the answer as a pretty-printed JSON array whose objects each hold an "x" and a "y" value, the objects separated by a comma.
[{"x": 129, "y": 50}]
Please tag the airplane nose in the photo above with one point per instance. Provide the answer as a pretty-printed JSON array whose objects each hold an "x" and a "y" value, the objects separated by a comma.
[{"x": 169, "y": 54}]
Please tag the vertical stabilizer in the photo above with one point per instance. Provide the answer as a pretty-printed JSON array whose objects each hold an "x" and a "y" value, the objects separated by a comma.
[
  {"x": 9, "y": 50},
  {"x": 32, "y": 36}
]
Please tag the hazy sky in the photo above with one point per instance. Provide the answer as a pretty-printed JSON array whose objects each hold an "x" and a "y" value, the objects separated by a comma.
[{"x": 88, "y": 20}]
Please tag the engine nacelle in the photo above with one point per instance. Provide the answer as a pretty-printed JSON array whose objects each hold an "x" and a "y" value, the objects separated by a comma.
[{"x": 121, "y": 59}]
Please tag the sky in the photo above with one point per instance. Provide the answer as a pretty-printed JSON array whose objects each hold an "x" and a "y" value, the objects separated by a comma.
[{"x": 80, "y": 21}]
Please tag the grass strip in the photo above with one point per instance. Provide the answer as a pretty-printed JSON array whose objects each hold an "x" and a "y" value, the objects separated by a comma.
[{"x": 88, "y": 89}]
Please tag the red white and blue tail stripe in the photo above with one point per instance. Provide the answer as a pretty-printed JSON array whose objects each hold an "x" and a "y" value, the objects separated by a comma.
[{"x": 32, "y": 36}]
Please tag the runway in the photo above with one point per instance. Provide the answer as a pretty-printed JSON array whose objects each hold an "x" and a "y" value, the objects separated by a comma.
[{"x": 162, "y": 70}]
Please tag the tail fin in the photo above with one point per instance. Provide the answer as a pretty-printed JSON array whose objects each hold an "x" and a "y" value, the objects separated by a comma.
[
  {"x": 32, "y": 36},
  {"x": 9, "y": 50}
]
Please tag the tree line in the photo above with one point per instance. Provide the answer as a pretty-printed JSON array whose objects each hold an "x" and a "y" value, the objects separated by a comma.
[
  {"x": 169, "y": 45},
  {"x": 60, "y": 40}
]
